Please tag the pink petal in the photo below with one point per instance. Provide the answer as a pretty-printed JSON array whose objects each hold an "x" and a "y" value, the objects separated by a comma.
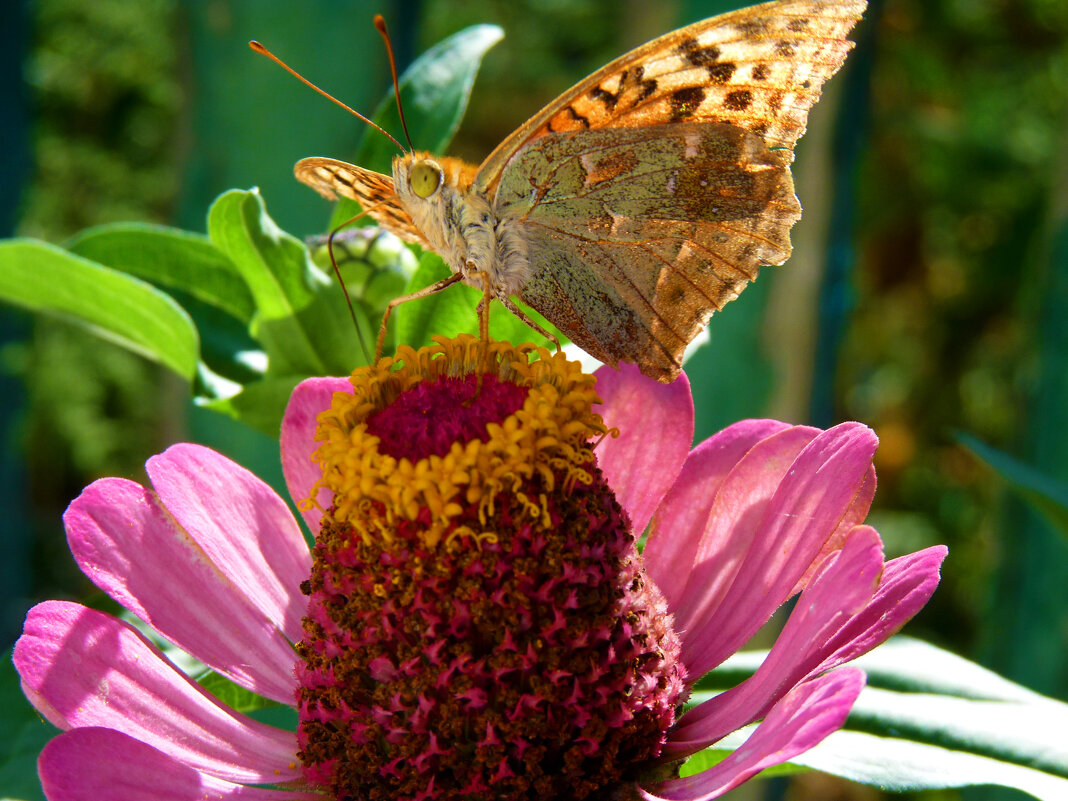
[
  {"x": 855, "y": 515},
  {"x": 133, "y": 549},
  {"x": 843, "y": 585},
  {"x": 84, "y": 668},
  {"x": 298, "y": 443},
  {"x": 729, "y": 522},
  {"x": 784, "y": 536},
  {"x": 907, "y": 584},
  {"x": 680, "y": 522},
  {"x": 655, "y": 423},
  {"x": 242, "y": 525},
  {"x": 800, "y": 721},
  {"x": 93, "y": 763}
]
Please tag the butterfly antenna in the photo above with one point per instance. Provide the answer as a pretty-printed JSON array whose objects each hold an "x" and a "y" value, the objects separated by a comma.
[
  {"x": 340, "y": 280},
  {"x": 345, "y": 289},
  {"x": 263, "y": 51},
  {"x": 380, "y": 23}
]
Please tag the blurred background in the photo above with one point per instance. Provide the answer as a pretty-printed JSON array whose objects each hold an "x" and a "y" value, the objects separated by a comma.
[{"x": 927, "y": 297}]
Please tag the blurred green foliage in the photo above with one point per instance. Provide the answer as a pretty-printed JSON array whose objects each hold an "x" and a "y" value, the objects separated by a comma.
[
  {"x": 965, "y": 158},
  {"x": 107, "y": 93}
]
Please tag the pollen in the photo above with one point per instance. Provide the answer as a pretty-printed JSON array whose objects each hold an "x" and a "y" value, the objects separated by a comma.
[{"x": 479, "y": 622}]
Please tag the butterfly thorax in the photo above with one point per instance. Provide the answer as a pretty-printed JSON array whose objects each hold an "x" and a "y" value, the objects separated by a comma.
[{"x": 459, "y": 222}]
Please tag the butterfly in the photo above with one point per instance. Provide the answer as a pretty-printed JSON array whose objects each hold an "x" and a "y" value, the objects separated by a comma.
[{"x": 639, "y": 201}]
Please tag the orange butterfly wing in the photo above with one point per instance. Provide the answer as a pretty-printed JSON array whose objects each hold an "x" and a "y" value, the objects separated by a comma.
[
  {"x": 372, "y": 190},
  {"x": 650, "y": 194},
  {"x": 760, "y": 68}
]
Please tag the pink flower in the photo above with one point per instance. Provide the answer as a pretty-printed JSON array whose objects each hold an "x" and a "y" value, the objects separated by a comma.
[{"x": 213, "y": 561}]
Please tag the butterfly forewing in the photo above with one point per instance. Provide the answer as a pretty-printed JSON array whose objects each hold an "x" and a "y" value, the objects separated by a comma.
[
  {"x": 760, "y": 68},
  {"x": 372, "y": 190}
]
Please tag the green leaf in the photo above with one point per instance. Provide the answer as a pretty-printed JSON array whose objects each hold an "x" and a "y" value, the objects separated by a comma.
[
  {"x": 946, "y": 723},
  {"x": 259, "y": 404},
  {"x": 301, "y": 319},
  {"x": 169, "y": 257},
  {"x": 448, "y": 312},
  {"x": 903, "y": 663},
  {"x": 42, "y": 277},
  {"x": 1042, "y": 492},
  {"x": 900, "y": 765},
  {"x": 193, "y": 270},
  {"x": 434, "y": 90},
  {"x": 25, "y": 734},
  {"x": 233, "y": 695},
  {"x": 453, "y": 311}
]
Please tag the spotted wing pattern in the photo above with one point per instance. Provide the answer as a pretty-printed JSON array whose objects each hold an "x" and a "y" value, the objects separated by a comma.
[
  {"x": 636, "y": 240},
  {"x": 760, "y": 68},
  {"x": 372, "y": 190}
]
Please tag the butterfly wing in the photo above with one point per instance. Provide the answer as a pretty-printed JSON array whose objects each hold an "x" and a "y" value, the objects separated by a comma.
[
  {"x": 759, "y": 67},
  {"x": 372, "y": 190},
  {"x": 650, "y": 194},
  {"x": 633, "y": 241}
]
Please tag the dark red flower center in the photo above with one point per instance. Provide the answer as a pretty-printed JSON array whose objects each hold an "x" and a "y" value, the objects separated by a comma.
[
  {"x": 479, "y": 622},
  {"x": 426, "y": 419}
]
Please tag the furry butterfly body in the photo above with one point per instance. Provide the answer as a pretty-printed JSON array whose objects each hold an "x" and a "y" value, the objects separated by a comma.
[{"x": 641, "y": 200}]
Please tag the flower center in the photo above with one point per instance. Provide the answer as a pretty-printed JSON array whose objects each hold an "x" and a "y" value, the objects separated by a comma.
[
  {"x": 479, "y": 623},
  {"x": 426, "y": 419}
]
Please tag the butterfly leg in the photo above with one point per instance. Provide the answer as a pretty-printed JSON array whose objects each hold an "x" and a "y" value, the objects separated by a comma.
[
  {"x": 483, "y": 326},
  {"x": 341, "y": 281},
  {"x": 518, "y": 312},
  {"x": 483, "y": 309},
  {"x": 425, "y": 292}
]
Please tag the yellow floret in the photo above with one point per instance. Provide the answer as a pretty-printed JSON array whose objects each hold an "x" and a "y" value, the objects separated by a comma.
[{"x": 549, "y": 436}]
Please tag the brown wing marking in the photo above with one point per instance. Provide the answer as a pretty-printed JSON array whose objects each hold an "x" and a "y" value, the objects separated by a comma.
[
  {"x": 760, "y": 68},
  {"x": 588, "y": 290},
  {"x": 635, "y": 241},
  {"x": 372, "y": 190}
]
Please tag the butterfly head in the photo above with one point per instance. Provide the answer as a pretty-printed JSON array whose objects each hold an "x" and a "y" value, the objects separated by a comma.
[
  {"x": 425, "y": 178},
  {"x": 418, "y": 179},
  {"x": 434, "y": 191},
  {"x": 421, "y": 186}
]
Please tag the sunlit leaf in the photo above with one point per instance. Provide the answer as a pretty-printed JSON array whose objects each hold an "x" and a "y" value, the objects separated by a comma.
[
  {"x": 196, "y": 273},
  {"x": 258, "y": 404},
  {"x": 301, "y": 318},
  {"x": 45, "y": 278},
  {"x": 947, "y": 722},
  {"x": 175, "y": 259}
]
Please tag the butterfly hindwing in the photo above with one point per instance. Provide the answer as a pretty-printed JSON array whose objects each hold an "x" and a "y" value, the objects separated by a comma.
[{"x": 635, "y": 239}]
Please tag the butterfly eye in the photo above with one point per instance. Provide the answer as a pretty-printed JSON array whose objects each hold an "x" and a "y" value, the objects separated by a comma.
[{"x": 425, "y": 178}]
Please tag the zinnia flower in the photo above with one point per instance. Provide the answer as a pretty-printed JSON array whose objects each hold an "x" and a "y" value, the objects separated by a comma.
[{"x": 475, "y": 619}]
